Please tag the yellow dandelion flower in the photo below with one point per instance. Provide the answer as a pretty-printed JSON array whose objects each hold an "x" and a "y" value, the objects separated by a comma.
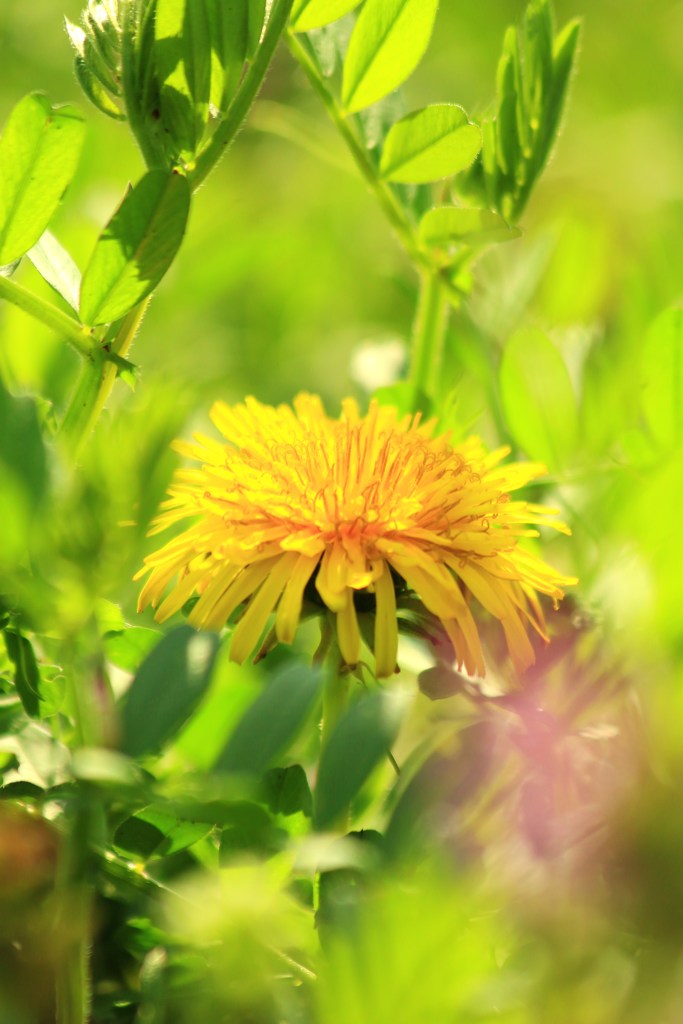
[{"x": 296, "y": 498}]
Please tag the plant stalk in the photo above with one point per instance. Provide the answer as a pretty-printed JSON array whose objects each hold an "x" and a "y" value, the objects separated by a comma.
[
  {"x": 428, "y": 334},
  {"x": 80, "y": 338},
  {"x": 382, "y": 191},
  {"x": 244, "y": 97},
  {"x": 96, "y": 381}
]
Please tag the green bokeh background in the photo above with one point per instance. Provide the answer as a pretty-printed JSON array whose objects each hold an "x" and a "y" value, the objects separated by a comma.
[{"x": 288, "y": 269}]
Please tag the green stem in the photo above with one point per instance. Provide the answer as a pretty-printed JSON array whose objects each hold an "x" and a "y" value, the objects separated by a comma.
[
  {"x": 244, "y": 97},
  {"x": 151, "y": 152},
  {"x": 73, "y": 919},
  {"x": 429, "y": 333},
  {"x": 335, "y": 695},
  {"x": 96, "y": 381},
  {"x": 80, "y": 338},
  {"x": 385, "y": 196}
]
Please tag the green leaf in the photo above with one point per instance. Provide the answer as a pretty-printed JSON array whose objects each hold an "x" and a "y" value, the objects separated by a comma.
[
  {"x": 39, "y": 152},
  {"x": 257, "y": 16},
  {"x": 26, "y": 673},
  {"x": 564, "y": 57},
  {"x": 127, "y": 648},
  {"x": 287, "y": 791},
  {"x": 96, "y": 92},
  {"x": 310, "y": 14},
  {"x": 229, "y": 28},
  {"x": 182, "y": 54},
  {"x": 447, "y": 226},
  {"x": 360, "y": 741},
  {"x": 273, "y": 721},
  {"x": 168, "y": 686},
  {"x": 387, "y": 43},
  {"x": 538, "y": 399},
  {"x": 55, "y": 266},
  {"x": 429, "y": 144},
  {"x": 22, "y": 450},
  {"x": 662, "y": 374},
  {"x": 136, "y": 248},
  {"x": 156, "y": 831}
]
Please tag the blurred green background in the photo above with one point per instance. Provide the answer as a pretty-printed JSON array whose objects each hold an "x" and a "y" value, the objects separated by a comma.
[
  {"x": 287, "y": 278},
  {"x": 288, "y": 266}
]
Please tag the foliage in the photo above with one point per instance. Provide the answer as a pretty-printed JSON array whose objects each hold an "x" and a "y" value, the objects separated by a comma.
[{"x": 179, "y": 840}]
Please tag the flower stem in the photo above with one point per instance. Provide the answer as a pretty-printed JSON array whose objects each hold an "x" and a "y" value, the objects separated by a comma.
[
  {"x": 385, "y": 196},
  {"x": 335, "y": 695},
  {"x": 80, "y": 338},
  {"x": 244, "y": 97},
  {"x": 428, "y": 334},
  {"x": 94, "y": 385}
]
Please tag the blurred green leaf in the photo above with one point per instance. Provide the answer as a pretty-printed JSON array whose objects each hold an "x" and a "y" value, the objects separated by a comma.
[
  {"x": 361, "y": 739},
  {"x": 309, "y": 14},
  {"x": 26, "y": 672},
  {"x": 22, "y": 450},
  {"x": 55, "y": 266},
  {"x": 429, "y": 144},
  {"x": 446, "y": 226},
  {"x": 156, "y": 831},
  {"x": 168, "y": 686},
  {"x": 136, "y": 248},
  {"x": 39, "y": 152},
  {"x": 127, "y": 648},
  {"x": 538, "y": 398},
  {"x": 662, "y": 372},
  {"x": 287, "y": 791},
  {"x": 273, "y": 721},
  {"x": 388, "y": 41}
]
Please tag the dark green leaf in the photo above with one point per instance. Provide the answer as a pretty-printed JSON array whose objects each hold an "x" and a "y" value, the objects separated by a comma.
[
  {"x": 309, "y": 14},
  {"x": 39, "y": 152},
  {"x": 257, "y": 16},
  {"x": 360, "y": 741},
  {"x": 387, "y": 44},
  {"x": 136, "y": 248},
  {"x": 26, "y": 673},
  {"x": 168, "y": 686},
  {"x": 538, "y": 398},
  {"x": 22, "y": 450},
  {"x": 287, "y": 791},
  {"x": 273, "y": 721},
  {"x": 432, "y": 143}
]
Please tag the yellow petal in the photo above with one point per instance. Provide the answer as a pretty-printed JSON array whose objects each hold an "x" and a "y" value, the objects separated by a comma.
[
  {"x": 289, "y": 608},
  {"x": 386, "y": 629},
  {"x": 248, "y": 630}
]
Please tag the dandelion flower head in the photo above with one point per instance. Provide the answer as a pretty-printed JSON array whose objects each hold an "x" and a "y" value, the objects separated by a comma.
[{"x": 294, "y": 499}]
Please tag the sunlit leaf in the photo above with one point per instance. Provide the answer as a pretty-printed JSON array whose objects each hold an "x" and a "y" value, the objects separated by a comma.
[
  {"x": 168, "y": 686},
  {"x": 309, "y": 14},
  {"x": 39, "y": 152},
  {"x": 429, "y": 144},
  {"x": 55, "y": 266},
  {"x": 446, "y": 226},
  {"x": 538, "y": 398},
  {"x": 136, "y": 248},
  {"x": 182, "y": 54},
  {"x": 388, "y": 41}
]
